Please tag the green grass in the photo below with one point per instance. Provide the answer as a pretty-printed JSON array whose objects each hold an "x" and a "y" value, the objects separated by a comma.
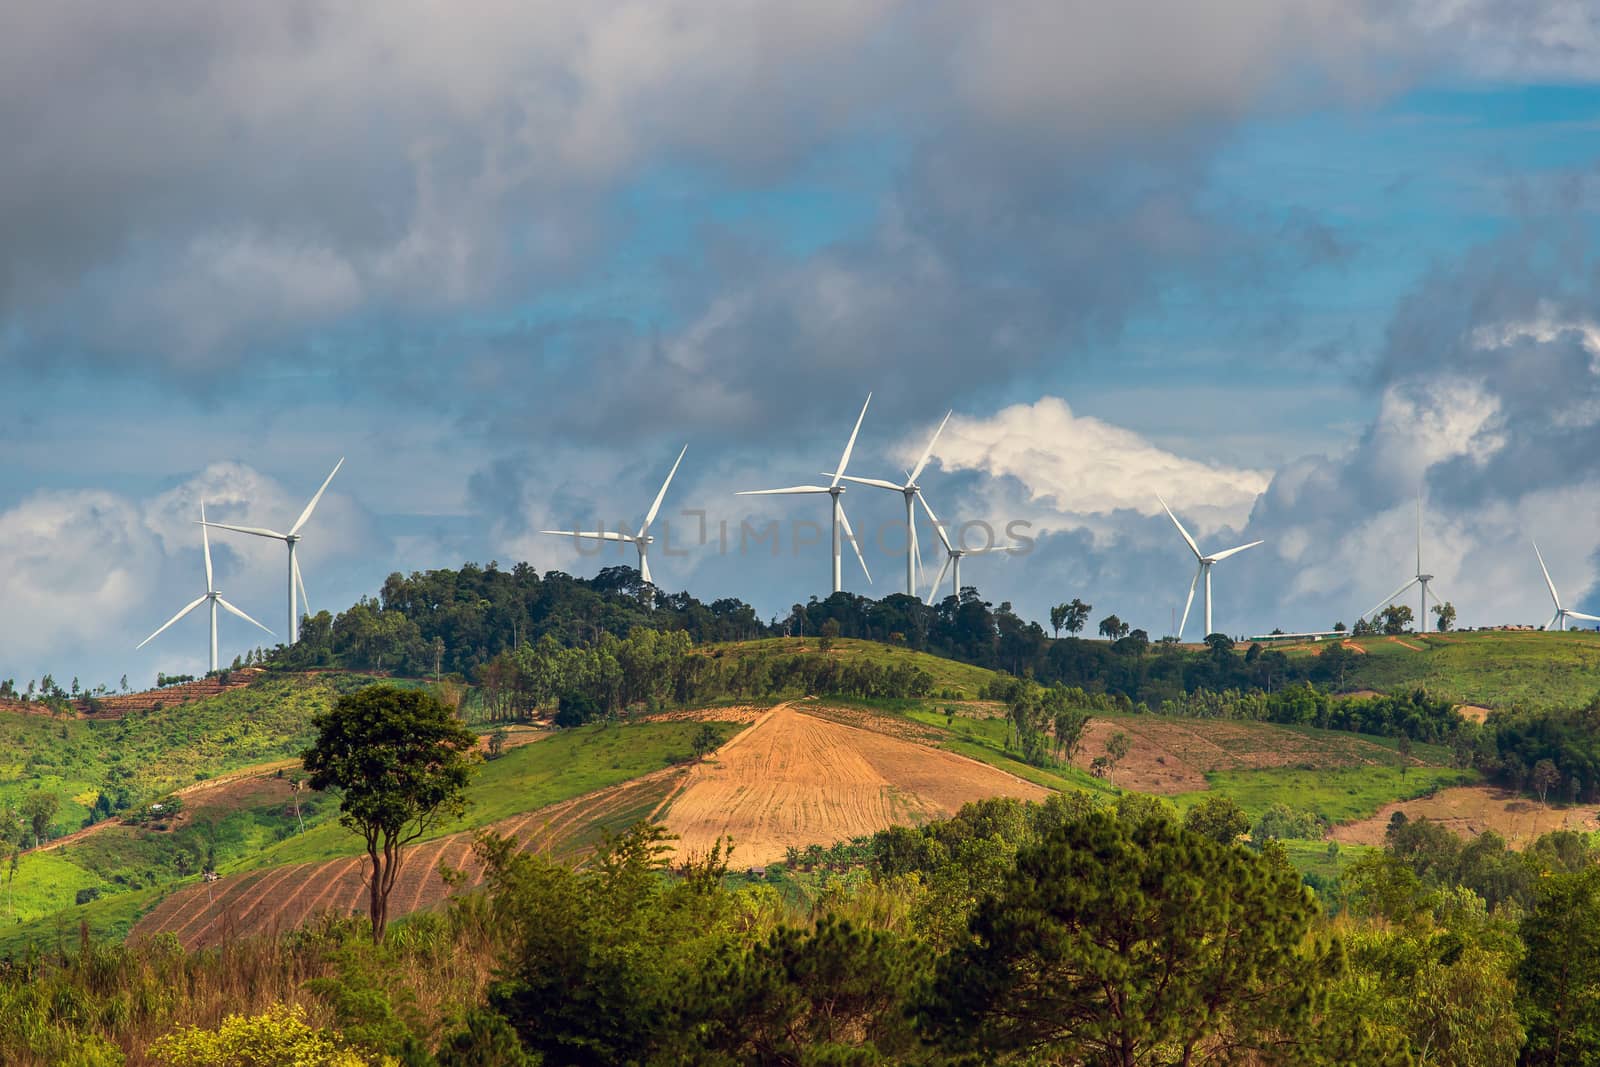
[
  {"x": 1493, "y": 668},
  {"x": 963, "y": 679},
  {"x": 1338, "y": 795},
  {"x": 565, "y": 765}
]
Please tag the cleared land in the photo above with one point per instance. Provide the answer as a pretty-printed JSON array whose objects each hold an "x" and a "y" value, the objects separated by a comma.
[
  {"x": 1172, "y": 755},
  {"x": 282, "y": 898},
  {"x": 795, "y": 779},
  {"x": 1471, "y": 810}
]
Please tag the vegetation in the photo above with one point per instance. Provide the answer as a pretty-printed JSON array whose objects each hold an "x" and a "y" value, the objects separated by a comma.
[{"x": 400, "y": 763}]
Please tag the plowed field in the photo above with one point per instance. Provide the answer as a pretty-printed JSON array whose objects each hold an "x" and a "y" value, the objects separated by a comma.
[
  {"x": 1470, "y": 810},
  {"x": 796, "y": 779}
]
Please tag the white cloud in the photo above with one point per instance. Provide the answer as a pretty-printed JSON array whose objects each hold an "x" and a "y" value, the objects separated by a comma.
[{"x": 1081, "y": 466}]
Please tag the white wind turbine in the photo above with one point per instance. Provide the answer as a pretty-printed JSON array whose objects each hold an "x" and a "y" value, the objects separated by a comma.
[
  {"x": 1420, "y": 579},
  {"x": 292, "y": 538},
  {"x": 952, "y": 554},
  {"x": 834, "y": 490},
  {"x": 911, "y": 491},
  {"x": 641, "y": 540},
  {"x": 1204, "y": 570},
  {"x": 1559, "y": 619},
  {"x": 211, "y": 595}
]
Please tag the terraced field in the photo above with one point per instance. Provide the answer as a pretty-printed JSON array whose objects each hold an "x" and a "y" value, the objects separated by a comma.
[{"x": 282, "y": 898}]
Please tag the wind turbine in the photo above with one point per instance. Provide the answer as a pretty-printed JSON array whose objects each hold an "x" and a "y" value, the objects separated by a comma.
[
  {"x": 911, "y": 491},
  {"x": 1420, "y": 579},
  {"x": 1559, "y": 619},
  {"x": 834, "y": 490},
  {"x": 211, "y": 595},
  {"x": 1204, "y": 570},
  {"x": 292, "y": 538},
  {"x": 952, "y": 554},
  {"x": 641, "y": 540}
]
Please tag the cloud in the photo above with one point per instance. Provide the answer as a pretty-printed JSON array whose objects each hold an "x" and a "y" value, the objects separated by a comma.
[{"x": 1080, "y": 465}]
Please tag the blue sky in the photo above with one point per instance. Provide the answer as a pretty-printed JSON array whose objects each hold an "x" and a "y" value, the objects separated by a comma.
[{"x": 1285, "y": 264}]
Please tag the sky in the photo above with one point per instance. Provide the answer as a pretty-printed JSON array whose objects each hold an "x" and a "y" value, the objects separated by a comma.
[{"x": 1282, "y": 263}]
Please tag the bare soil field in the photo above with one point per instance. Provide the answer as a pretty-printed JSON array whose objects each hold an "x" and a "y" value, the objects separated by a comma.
[
  {"x": 1169, "y": 756},
  {"x": 1473, "y": 712},
  {"x": 796, "y": 778},
  {"x": 282, "y": 898},
  {"x": 1470, "y": 810},
  {"x": 739, "y": 713}
]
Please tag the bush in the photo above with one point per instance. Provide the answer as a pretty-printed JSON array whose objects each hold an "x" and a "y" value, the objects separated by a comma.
[{"x": 279, "y": 1035}]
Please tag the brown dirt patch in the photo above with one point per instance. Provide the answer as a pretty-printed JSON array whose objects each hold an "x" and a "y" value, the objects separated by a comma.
[
  {"x": 1473, "y": 712},
  {"x": 1470, "y": 810},
  {"x": 1172, "y": 755},
  {"x": 1408, "y": 644},
  {"x": 799, "y": 779},
  {"x": 739, "y": 713}
]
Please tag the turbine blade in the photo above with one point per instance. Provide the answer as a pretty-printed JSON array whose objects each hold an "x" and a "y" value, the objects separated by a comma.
[
  {"x": 1189, "y": 603},
  {"x": 937, "y": 582},
  {"x": 844, "y": 520},
  {"x": 938, "y": 527},
  {"x": 1554, "y": 623},
  {"x": 1390, "y": 598},
  {"x": 844, "y": 460},
  {"x": 192, "y": 605},
  {"x": 1581, "y": 615},
  {"x": 644, "y": 568},
  {"x": 593, "y": 535},
  {"x": 1233, "y": 551},
  {"x": 255, "y": 530},
  {"x": 245, "y": 617},
  {"x": 1553, "y": 595},
  {"x": 780, "y": 492},
  {"x": 306, "y": 514},
  {"x": 879, "y": 482},
  {"x": 927, "y": 453},
  {"x": 1189, "y": 540},
  {"x": 205, "y": 539},
  {"x": 305, "y": 601},
  {"x": 651, "y": 517}
]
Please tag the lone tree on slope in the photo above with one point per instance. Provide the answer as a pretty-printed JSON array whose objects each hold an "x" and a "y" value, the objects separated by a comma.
[{"x": 402, "y": 762}]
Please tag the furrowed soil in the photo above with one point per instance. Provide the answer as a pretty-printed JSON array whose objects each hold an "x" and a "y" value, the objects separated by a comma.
[
  {"x": 1471, "y": 810},
  {"x": 1170, "y": 755},
  {"x": 797, "y": 779}
]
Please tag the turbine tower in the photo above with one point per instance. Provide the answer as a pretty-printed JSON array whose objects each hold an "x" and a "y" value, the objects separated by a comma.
[
  {"x": 1420, "y": 579},
  {"x": 1204, "y": 570},
  {"x": 911, "y": 491},
  {"x": 952, "y": 555},
  {"x": 834, "y": 490},
  {"x": 1559, "y": 619},
  {"x": 641, "y": 541},
  {"x": 292, "y": 538},
  {"x": 212, "y": 595}
]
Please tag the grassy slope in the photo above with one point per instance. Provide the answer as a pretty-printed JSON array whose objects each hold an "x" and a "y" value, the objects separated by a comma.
[
  {"x": 960, "y": 678},
  {"x": 1492, "y": 668},
  {"x": 155, "y": 752},
  {"x": 565, "y": 765}
]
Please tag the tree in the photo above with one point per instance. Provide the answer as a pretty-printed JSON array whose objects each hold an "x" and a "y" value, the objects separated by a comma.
[
  {"x": 706, "y": 740},
  {"x": 1545, "y": 777},
  {"x": 297, "y": 783},
  {"x": 1218, "y": 818},
  {"x": 1339, "y": 627},
  {"x": 1559, "y": 977},
  {"x": 1403, "y": 747},
  {"x": 828, "y": 635},
  {"x": 1112, "y": 628},
  {"x": 1396, "y": 618},
  {"x": 401, "y": 762},
  {"x": 1131, "y": 944},
  {"x": 496, "y": 743},
  {"x": 1446, "y": 614},
  {"x": 1077, "y": 616},
  {"x": 1058, "y": 618},
  {"x": 38, "y": 808}
]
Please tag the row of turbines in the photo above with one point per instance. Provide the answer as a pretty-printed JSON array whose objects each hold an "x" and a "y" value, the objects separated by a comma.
[
  {"x": 910, "y": 490},
  {"x": 840, "y": 522}
]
